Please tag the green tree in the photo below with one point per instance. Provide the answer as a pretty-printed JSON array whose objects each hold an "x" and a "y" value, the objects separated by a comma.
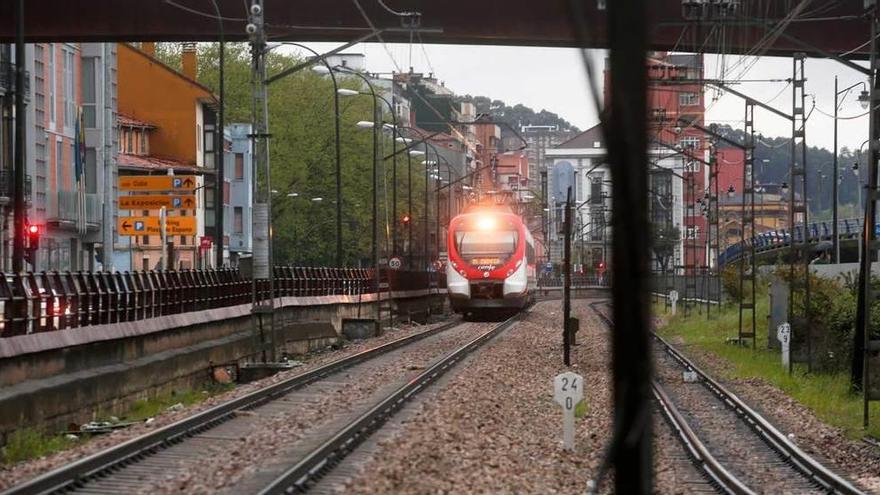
[{"x": 302, "y": 157}]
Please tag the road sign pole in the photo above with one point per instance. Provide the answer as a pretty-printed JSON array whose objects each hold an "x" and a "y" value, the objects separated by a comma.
[{"x": 164, "y": 239}]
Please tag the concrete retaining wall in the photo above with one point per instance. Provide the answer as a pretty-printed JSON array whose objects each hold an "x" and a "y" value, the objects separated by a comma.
[{"x": 52, "y": 379}]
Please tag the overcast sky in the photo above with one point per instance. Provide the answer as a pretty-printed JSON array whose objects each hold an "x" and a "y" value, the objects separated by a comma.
[{"x": 554, "y": 79}]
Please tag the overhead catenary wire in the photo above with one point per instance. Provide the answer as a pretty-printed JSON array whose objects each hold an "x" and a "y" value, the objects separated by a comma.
[{"x": 205, "y": 14}]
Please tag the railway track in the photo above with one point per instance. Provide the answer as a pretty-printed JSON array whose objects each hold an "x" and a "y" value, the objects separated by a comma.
[
  {"x": 735, "y": 448},
  {"x": 184, "y": 448}
]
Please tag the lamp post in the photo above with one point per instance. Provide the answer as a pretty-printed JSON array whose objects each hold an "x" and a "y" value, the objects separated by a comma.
[
  {"x": 855, "y": 169},
  {"x": 377, "y": 121},
  {"x": 865, "y": 101},
  {"x": 337, "y": 92}
]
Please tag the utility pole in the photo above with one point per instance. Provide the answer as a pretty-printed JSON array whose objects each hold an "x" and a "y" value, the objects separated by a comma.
[
  {"x": 19, "y": 214},
  {"x": 800, "y": 246},
  {"x": 862, "y": 336},
  {"x": 566, "y": 287},
  {"x": 262, "y": 303},
  {"x": 220, "y": 158},
  {"x": 107, "y": 230}
]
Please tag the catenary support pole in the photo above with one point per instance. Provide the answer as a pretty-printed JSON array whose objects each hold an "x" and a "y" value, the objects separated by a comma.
[
  {"x": 19, "y": 213},
  {"x": 566, "y": 287}
]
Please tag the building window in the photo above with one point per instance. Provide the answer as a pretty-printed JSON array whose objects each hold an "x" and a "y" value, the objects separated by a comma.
[
  {"x": 69, "y": 98},
  {"x": 596, "y": 189},
  {"x": 89, "y": 92},
  {"x": 91, "y": 171},
  {"x": 693, "y": 232},
  {"x": 688, "y": 99},
  {"x": 52, "y": 84},
  {"x": 597, "y": 225},
  {"x": 59, "y": 170},
  {"x": 146, "y": 241},
  {"x": 690, "y": 142},
  {"x": 143, "y": 149},
  {"x": 239, "y": 166},
  {"x": 238, "y": 220},
  {"x": 226, "y": 193},
  {"x": 129, "y": 141}
]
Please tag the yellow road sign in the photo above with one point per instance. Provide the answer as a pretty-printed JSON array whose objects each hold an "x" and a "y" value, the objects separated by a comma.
[
  {"x": 152, "y": 226},
  {"x": 176, "y": 183},
  {"x": 154, "y": 202}
]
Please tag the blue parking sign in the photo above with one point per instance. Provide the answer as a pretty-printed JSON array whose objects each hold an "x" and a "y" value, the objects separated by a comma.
[
  {"x": 139, "y": 226},
  {"x": 176, "y": 183},
  {"x": 176, "y": 202},
  {"x": 548, "y": 267}
]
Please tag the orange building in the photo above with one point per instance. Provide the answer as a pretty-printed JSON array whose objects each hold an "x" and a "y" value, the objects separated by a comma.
[{"x": 166, "y": 126}]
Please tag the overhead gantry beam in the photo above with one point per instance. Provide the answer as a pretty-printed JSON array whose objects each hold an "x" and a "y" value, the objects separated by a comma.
[{"x": 837, "y": 29}]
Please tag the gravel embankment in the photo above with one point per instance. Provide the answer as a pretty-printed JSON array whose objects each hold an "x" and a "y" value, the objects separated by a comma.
[
  {"x": 494, "y": 428},
  {"x": 827, "y": 444},
  {"x": 17, "y": 473}
]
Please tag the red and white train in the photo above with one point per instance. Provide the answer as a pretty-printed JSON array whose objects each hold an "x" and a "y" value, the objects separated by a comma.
[{"x": 491, "y": 262}]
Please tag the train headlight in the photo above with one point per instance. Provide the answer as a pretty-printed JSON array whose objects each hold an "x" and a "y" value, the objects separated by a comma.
[{"x": 486, "y": 222}]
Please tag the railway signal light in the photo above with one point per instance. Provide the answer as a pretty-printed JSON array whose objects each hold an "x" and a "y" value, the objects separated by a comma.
[
  {"x": 406, "y": 219},
  {"x": 33, "y": 236}
]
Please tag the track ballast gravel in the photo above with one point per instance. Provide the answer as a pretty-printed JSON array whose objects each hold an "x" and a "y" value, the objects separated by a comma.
[{"x": 17, "y": 473}]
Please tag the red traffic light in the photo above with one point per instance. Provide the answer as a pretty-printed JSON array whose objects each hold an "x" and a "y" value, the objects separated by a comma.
[{"x": 33, "y": 229}]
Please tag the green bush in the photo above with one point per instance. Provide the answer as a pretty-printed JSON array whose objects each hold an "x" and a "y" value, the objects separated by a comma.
[
  {"x": 730, "y": 283},
  {"x": 833, "y": 305}
]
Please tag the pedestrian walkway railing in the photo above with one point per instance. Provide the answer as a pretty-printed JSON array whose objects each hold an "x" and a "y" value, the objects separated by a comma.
[
  {"x": 774, "y": 240},
  {"x": 577, "y": 281},
  {"x": 48, "y": 301}
]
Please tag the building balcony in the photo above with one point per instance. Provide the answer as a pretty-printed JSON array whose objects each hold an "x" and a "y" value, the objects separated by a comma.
[
  {"x": 7, "y": 80},
  {"x": 7, "y": 187},
  {"x": 63, "y": 211}
]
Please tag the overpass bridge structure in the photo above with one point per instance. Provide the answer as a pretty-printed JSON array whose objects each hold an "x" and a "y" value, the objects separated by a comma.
[{"x": 773, "y": 243}]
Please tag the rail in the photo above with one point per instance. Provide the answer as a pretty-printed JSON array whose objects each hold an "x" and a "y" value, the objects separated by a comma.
[
  {"x": 51, "y": 301},
  {"x": 80, "y": 472}
]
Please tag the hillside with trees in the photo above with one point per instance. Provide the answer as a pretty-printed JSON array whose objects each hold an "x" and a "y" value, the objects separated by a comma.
[
  {"x": 517, "y": 115},
  {"x": 777, "y": 150}
]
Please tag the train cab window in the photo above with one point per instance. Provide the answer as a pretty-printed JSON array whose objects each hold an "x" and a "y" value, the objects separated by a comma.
[{"x": 478, "y": 246}]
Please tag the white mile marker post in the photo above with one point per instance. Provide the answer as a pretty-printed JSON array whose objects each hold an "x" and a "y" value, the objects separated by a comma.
[
  {"x": 783, "y": 333},
  {"x": 673, "y": 299},
  {"x": 568, "y": 390}
]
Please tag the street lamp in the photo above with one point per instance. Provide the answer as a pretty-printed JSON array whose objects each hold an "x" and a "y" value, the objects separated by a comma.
[
  {"x": 375, "y": 225},
  {"x": 865, "y": 100}
]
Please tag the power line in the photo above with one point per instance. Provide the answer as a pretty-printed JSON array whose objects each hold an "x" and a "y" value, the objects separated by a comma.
[{"x": 204, "y": 14}]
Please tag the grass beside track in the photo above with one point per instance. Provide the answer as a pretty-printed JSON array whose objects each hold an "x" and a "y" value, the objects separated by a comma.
[
  {"x": 29, "y": 443},
  {"x": 827, "y": 395}
]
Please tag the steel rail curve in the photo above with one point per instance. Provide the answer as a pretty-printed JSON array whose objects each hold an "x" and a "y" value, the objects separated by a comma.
[
  {"x": 77, "y": 474},
  {"x": 776, "y": 440}
]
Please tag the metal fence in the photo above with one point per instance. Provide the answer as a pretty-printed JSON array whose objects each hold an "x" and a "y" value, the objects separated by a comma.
[
  {"x": 703, "y": 285},
  {"x": 47, "y": 301},
  {"x": 577, "y": 281}
]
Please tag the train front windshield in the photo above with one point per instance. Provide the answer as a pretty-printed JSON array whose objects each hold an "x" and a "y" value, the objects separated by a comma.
[{"x": 486, "y": 247}]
